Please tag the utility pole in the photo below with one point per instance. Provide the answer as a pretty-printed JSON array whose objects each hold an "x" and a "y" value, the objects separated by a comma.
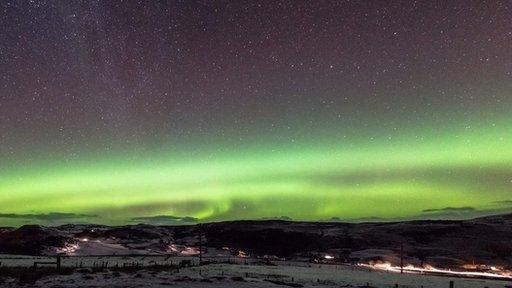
[
  {"x": 200, "y": 244},
  {"x": 402, "y": 256}
]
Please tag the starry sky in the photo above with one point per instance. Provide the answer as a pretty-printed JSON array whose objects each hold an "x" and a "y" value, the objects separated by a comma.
[{"x": 169, "y": 112}]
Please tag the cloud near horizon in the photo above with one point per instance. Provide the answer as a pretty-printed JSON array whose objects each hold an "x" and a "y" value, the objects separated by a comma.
[
  {"x": 451, "y": 209},
  {"x": 282, "y": 218},
  {"x": 52, "y": 216},
  {"x": 165, "y": 220}
]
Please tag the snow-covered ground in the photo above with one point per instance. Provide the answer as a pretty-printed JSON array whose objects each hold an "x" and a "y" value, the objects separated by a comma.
[{"x": 252, "y": 275}]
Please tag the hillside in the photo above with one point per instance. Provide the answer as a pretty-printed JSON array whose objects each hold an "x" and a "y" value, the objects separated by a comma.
[{"x": 439, "y": 243}]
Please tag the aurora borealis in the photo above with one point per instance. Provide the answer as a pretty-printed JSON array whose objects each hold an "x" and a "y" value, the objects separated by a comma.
[{"x": 223, "y": 110}]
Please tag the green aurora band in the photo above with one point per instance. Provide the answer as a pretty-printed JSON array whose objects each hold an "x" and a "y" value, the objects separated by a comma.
[
  {"x": 354, "y": 177},
  {"x": 186, "y": 111}
]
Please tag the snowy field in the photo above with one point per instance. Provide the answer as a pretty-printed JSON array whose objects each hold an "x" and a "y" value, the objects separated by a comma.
[
  {"x": 96, "y": 261},
  {"x": 285, "y": 274}
]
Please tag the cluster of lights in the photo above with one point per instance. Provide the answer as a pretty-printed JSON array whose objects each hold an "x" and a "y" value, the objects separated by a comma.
[
  {"x": 241, "y": 254},
  {"x": 183, "y": 250},
  {"x": 386, "y": 266},
  {"x": 68, "y": 249}
]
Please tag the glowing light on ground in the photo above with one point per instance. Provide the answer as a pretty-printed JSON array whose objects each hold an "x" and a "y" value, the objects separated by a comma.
[
  {"x": 68, "y": 249},
  {"x": 427, "y": 269},
  {"x": 183, "y": 250}
]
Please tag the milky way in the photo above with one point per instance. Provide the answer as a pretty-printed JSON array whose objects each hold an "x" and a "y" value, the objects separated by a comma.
[{"x": 116, "y": 111}]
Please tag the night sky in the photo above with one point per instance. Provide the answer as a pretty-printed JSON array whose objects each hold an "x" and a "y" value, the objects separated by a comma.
[{"x": 182, "y": 111}]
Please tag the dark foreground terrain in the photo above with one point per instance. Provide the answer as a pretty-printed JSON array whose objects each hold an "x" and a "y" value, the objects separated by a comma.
[{"x": 447, "y": 244}]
